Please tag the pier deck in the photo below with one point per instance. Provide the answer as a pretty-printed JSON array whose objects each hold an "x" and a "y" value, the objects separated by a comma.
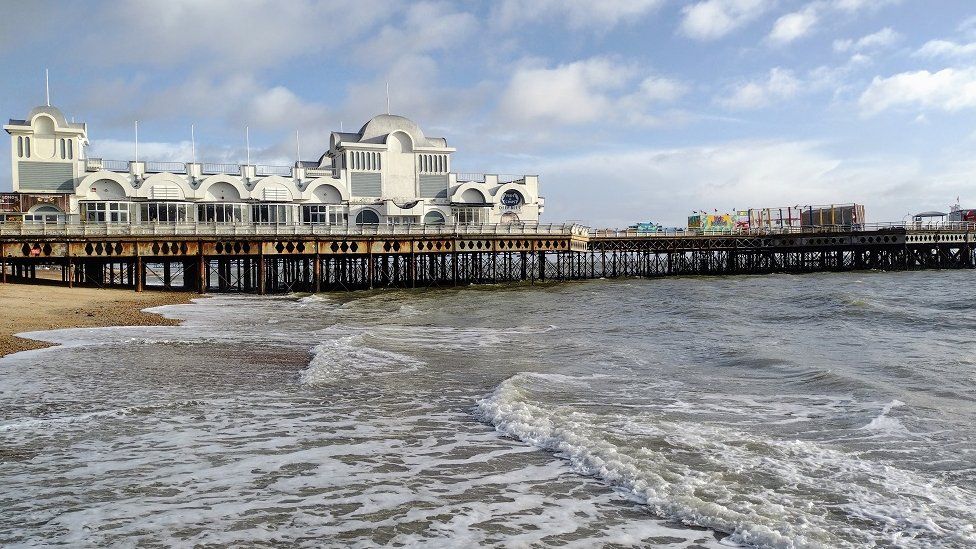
[{"x": 275, "y": 259}]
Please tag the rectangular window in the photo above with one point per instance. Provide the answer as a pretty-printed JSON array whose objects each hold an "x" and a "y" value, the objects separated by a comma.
[{"x": 475, "y": 216}]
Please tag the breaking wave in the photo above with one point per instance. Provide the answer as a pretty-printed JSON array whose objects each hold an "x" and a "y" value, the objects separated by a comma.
[{"x": 760, "y": 490}]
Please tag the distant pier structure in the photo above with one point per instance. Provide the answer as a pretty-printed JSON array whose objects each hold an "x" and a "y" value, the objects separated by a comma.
[{"x": 260, "y": 260}]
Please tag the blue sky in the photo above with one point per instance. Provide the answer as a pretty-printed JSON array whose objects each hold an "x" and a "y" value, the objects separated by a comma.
[{"x": 628, "y": 110}]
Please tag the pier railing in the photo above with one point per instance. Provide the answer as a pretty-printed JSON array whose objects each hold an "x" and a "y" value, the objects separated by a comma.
[
  {"x": 247, "y": 229},
  {"x": 763, "y": 231}
]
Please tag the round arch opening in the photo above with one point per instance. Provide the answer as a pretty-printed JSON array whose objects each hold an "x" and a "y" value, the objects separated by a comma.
[
  {"x": 473, "y": 196},
  {"x": 367, "y": 217},
  {"x": 223, "y": 192},
  {"x": 509, "y": 218},
  {"x": 434, "y": 218},
  {"x": 106, "y": 189}
]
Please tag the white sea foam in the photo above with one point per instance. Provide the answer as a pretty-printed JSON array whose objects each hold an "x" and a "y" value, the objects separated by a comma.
[
  {"x": 311, "y": 300},
  {"x": 347, "y": 357},
  {"x": 693, "y": 472},
  {"x": 886, "y": 424}
]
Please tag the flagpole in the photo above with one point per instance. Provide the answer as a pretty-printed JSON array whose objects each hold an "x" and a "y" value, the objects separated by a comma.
[
  {"x": 137, "y": 140},
  {"x": 47, "y": 88},
  {"x": 247, "y": 144},
  {"x": 193, "y": 145}
]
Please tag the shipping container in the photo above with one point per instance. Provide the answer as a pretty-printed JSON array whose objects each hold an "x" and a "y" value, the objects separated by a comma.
[
  {"x": 844, "y": 215},
  {"x": 711, "y": 222}
]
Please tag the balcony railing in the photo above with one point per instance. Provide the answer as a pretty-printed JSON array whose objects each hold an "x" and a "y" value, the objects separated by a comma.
[
  {"x": 209, "y": 168},
  {"x": 284, "y": 171},
  {"x": 115, "y": 165},
  {"x": 171, "y": 167},
  {"x": 469, "y": 177},
  {"x": 209, "y": 229}
]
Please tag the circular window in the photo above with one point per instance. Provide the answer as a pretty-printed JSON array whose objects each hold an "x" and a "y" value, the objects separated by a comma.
[{"x": 512, "y": 198}]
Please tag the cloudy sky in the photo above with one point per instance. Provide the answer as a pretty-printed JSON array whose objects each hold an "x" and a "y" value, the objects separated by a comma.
[{"x": 628, "y": 110}]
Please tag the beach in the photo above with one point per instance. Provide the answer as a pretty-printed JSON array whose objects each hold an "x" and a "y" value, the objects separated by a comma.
[{"x": 28, "y": 308}]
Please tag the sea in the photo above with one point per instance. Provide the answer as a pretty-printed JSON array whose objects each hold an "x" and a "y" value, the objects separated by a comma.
[{"x": 824, "y": 410}]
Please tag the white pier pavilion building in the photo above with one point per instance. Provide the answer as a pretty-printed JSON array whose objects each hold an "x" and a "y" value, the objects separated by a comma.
[{"x": 387, "y": 173}]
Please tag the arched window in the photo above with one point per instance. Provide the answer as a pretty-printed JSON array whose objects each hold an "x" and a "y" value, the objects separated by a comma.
[
  {"x": 20, "y": 147},
  {"x": 71, "y": 149},
  {"x": 367, "y": 217},
  {"x": 63, "y": 151},
  {"x": 27, "y": 146},
  {"x": 379, "y": 161},
  {"x": 434, "y": 218}
]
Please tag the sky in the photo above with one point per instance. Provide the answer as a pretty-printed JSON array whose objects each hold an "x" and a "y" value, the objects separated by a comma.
[{"x": 630, "y": 110}]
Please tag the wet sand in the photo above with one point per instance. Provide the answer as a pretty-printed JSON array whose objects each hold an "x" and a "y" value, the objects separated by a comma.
[{"x": 27, "y": 308}]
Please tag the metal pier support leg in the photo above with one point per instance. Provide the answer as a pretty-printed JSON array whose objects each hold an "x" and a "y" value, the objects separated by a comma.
[
  {"x": 262, "y": 275},
  {"x": 317, "y": 273},
  {"x": 201, "y": 273},
  {"x": 139, "y": 273}
]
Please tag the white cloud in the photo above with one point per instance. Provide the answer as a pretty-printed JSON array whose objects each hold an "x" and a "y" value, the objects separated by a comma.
[
  {"x": 878, "y": 40},
  {"x": 664, "y": 185},
  {"x": 949, "y": 90},
  {"x": 713, "y": 19},
  {"x": 578, "y": 14},
  {"x": 780, "y": 84},
  {"x": 795, "y": 25},
  {"x": 116, "y": 149},
  {"x": 851, "y": 6},
  {"x": 426, "y": 27},
  {"x": 946, "y": 48},
  {"x": 229, "y": 34},
  {"x": 582, "y": 92},
  {"x": 804, "y": 21}
]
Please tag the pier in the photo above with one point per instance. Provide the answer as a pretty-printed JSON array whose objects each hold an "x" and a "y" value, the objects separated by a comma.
[{"x": 278, "y": 259}]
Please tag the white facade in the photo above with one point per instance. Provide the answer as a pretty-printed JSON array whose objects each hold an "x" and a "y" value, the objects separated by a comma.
[{"x": 388, "y": 172}]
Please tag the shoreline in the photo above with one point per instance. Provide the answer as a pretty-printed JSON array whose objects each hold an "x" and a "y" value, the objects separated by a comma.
[{"x": 34, "y": 308}]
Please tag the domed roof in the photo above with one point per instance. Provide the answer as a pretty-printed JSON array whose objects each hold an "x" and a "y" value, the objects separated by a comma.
[
  {"x": 378, "y": 127},
  {"x": 53, "y": 112}
]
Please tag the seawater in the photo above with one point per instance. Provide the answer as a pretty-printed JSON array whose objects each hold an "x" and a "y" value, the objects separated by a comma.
[{"x": 834, "y": 410}]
